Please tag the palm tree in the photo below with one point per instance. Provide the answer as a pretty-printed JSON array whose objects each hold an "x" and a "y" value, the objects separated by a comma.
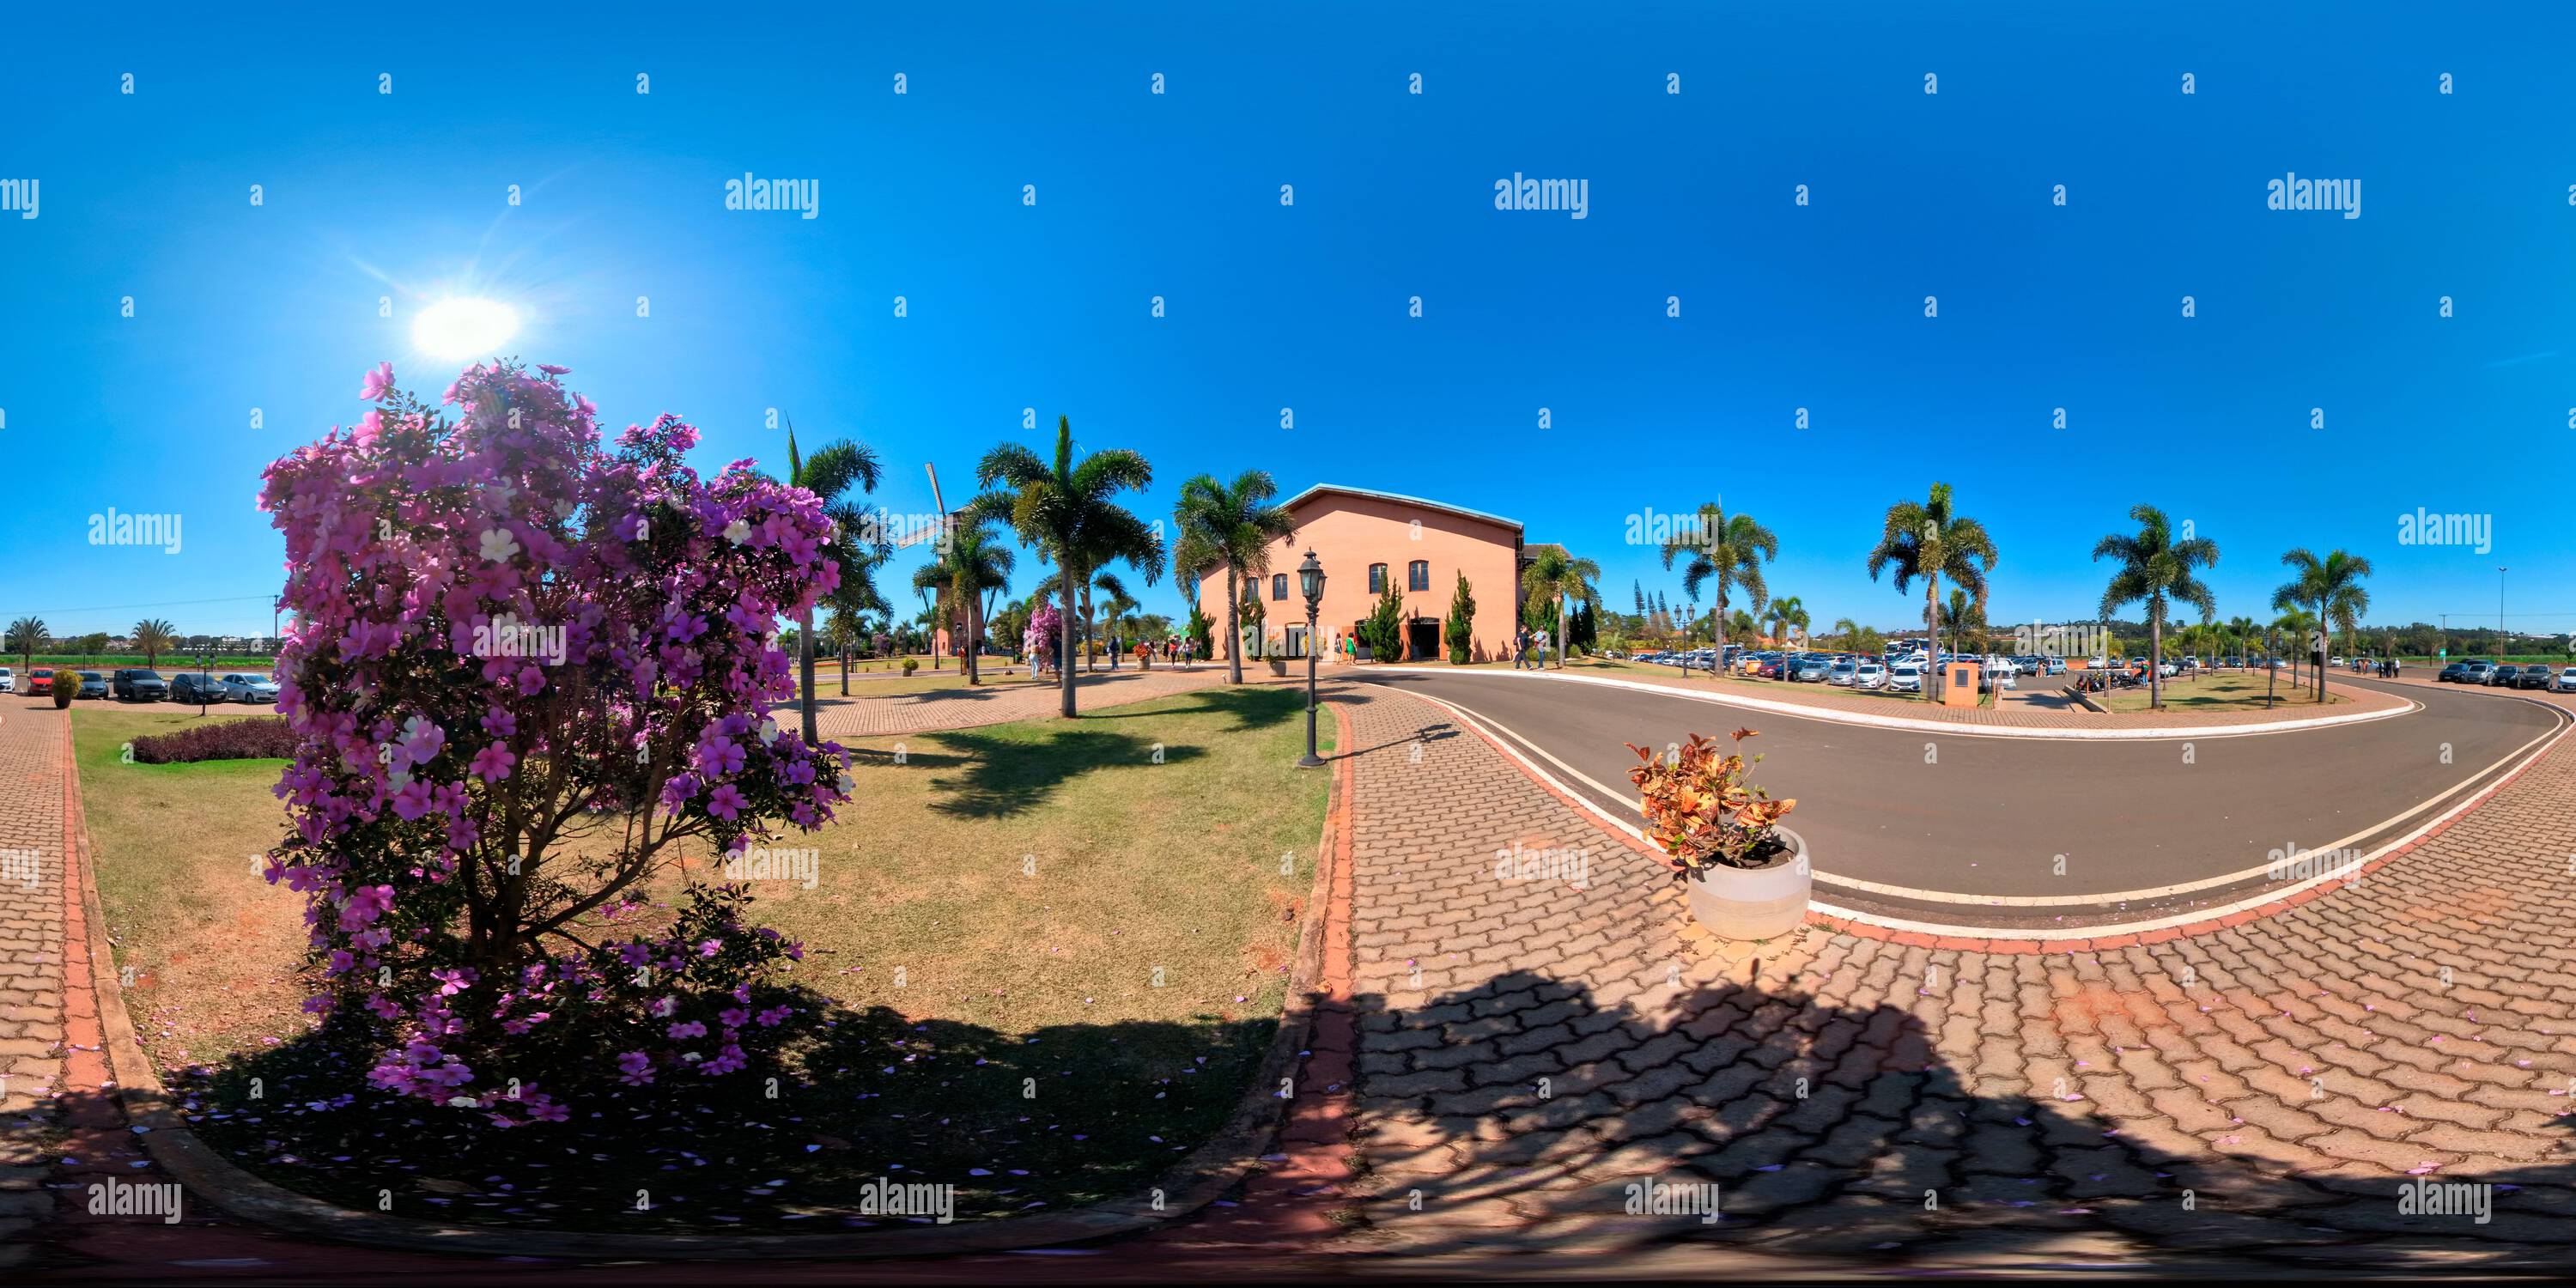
[
  {"x": 2239, "y": 630},
  {"x": 1231, "y": 526},
  {"x": 1785, "y": 613},
  {"x": 1961, "y": 617},
  {"x": 1554, "y": 573},
  {"x": 841, "y": 631},
  {"x": 1066, "y": 510},
  {"x": 26, "y": 635},
  {"x": 827, "y": 474},
  {"x": 2154, "y": 569},
  {"x": 1931, "y": 540},
  {"x": 1115, "y": 599},
  {"x": 2333, "y": 585},
  {"x": 2295, "y": 624},
  {"x": 153, "y": 635},
  {"x": 1846, "y": 633},
  {"x": 974, "y": 565},
  {"x": 1726, "y": 548}
]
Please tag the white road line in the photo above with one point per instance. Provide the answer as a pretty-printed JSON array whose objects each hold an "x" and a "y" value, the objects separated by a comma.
[
  {"x": 1829, "y": 715},
  {"x": 1505, "y": 737}
]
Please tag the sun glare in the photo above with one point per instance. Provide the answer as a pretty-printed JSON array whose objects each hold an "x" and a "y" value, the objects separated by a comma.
[{"x": 457, "y": 329}]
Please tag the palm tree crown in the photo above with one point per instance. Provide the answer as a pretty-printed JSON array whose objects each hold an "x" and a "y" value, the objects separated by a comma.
[
  {"x": 1728, "y": 549},
  {"x": 2154, "y": 570},
  {"x": 2331, "y": 585},
  {"x": 828, "y": 473},
  {"x": 1555, "y": 573},
  {"x": 1067, "y": 510},
  {"x": 1229, "y": 526},
  {"x": 1932, "y": 540}
]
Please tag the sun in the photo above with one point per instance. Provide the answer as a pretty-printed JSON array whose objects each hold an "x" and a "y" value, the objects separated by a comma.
[{"x": 457, "y": 329}]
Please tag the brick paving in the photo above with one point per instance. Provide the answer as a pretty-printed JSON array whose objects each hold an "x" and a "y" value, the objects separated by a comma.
[
  {"x": 1003, "y": 701},
  {"x": 2033, "y": 708},
  {"x": 31, "y": 966},
  {"x": 1529, "y": 1050}
]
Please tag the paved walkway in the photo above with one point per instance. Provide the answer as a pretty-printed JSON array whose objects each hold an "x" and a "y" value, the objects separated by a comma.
[
  {"x": 998, "y": 701},
  {"x": 31, "y": 965},
  {"x": 1529, "y": 1050}
]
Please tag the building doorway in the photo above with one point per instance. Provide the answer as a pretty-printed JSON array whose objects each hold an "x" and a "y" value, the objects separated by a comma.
[{"x": 1422, "y": 639}]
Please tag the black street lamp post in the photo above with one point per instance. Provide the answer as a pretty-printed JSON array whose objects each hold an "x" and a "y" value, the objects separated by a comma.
[{"x": 1310, "y": 579}]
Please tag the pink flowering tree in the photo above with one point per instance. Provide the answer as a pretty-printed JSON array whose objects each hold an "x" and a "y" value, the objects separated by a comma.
[
  {"x": 1046, "y": 626},
  {"x": 528, "y": 673}
]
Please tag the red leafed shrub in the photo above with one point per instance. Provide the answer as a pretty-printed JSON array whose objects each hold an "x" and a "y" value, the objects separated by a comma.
[
  {"x": 1701, "y": 812},
  {"x": 218, "y": 740}
]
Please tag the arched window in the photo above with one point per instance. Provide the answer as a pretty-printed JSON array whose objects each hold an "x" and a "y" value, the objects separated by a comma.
[
  {"x": 1278, "y": 585},
  {"x": 1377, "y": 579},
  {"x": 1417, "y": 576}
]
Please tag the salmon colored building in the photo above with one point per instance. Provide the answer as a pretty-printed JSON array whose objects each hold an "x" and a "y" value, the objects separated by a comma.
[{"x": 1367, "y": 540}]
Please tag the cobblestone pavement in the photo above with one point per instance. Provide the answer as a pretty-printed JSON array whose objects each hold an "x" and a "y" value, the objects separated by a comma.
[
  {"x": 1002, "y": 701},
  {"x": 31, "y": 964},
  {"x": 1530, "y": 1050}
]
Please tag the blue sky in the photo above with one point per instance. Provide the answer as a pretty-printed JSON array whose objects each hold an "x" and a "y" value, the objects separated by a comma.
[{"x": 1011, "y": 306}]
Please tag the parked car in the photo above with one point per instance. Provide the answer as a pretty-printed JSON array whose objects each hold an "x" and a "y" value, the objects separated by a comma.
[
  {"x": 1905, "y": 677},
  {"x": 93, "y": 685},
  {"x": 139, "y": 684},
  {"x": 1841, "y": 674},
  {"x": 2500, "y": 675},
  {"x": 2533, "y": 677},
  {"x": 8, "y": 680},
  {"x": 2475, "y": 671},
  {"x": 1768, "y": 667},
  {"x": 2451, "y": 674},
  {"x": 2169, "y": 668},
  {"x": 193, "y": 687},
  {"x": 1868, "y": 675},
  {"x": 40, "y": 680},
  {"x": 1812, "y": 670},
  {"x": 2566, "y": 681}
]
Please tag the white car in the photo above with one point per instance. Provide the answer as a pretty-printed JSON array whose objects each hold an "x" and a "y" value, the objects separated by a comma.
[
  {"x": 2566, "y": 681},
  {"x": 2168, "y": 668},
  {"x": 1869, "y": 675},
  {"x": 1905, "y": 677},
  {"x": 243, "y": 687},
  {"x": 8, "y": 680}
]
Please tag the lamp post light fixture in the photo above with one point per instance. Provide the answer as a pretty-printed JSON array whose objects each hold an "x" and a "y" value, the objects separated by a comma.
[{"x": 1310, "y": 579}]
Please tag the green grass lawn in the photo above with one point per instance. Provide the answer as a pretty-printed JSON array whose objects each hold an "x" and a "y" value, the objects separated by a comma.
[
  {"x": 1061, "y": 949},
  {"x": 2216, "y": 691}
]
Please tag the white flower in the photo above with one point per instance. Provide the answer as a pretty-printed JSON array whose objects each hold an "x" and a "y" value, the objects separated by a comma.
[
  {"x": 848, "y": 784},
  {"x": 498, "y": 545},
  {"x": 462, "y": 1102},
  {"x": 565, "y": 507},
  {"x": 768, "y": 729},
  {"x": 737, "y": 532}
]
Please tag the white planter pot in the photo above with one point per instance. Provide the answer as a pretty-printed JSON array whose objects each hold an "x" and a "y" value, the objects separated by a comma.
[{"x": 1756, "y": 903}]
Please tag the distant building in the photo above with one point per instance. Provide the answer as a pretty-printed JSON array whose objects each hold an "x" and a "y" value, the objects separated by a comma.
[{"x": 1367, "y": 541}]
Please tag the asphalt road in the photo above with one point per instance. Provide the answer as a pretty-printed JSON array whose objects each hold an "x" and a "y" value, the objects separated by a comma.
[{"x": 1955, "y": 822}]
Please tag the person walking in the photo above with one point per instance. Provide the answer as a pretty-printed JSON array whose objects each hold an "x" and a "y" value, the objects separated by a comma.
[{"x": 1520, "y": 649}]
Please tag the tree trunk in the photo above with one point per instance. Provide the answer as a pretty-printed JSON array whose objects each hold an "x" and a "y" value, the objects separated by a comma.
[
  {"x": 2156, "y": 658},
  {"x": 1234, "y": 622},
  {"x": 1932, "y": 631},
  {"x": 973, "y": 655},
  {"x": 2321, "y": 662},
  {"x": 1560, "y": 630},
  {"x": 1064, "y": 668},
  {"x": 845, "y": 670},
  {"x": 805, "y": 668}
]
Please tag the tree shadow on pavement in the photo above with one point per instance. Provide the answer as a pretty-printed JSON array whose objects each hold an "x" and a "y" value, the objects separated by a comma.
[{"x": 1524, "y": 1115}]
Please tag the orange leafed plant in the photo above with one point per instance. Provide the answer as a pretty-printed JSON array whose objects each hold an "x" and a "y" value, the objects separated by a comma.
[{"x": 1699, "y": 810}]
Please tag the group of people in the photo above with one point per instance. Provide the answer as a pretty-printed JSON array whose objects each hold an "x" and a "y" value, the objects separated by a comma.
[
  {"x": 2384, "y": 667},
  {"x": 1529, "y": 649}
]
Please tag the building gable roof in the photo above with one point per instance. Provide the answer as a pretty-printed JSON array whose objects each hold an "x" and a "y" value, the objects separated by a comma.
[{"x": 1322, "y": 489}]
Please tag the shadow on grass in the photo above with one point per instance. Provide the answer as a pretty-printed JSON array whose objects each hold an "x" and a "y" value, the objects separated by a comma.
[
  {"x": 1006, "y": 777},
  {"x": 1253, "y": 707},
  {"x": 1055, "y": 1118}
]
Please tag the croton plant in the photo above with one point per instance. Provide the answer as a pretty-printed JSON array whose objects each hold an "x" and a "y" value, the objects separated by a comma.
[{"x": 1701, "y": 812}]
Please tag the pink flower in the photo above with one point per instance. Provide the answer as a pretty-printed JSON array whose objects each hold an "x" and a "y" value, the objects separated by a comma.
[
  {"x": 726, "y": 803},
  {"x": 379, "y": 382},
  {"x": 636, "y": 1068},
  {"x": 492, "y": 764}
]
